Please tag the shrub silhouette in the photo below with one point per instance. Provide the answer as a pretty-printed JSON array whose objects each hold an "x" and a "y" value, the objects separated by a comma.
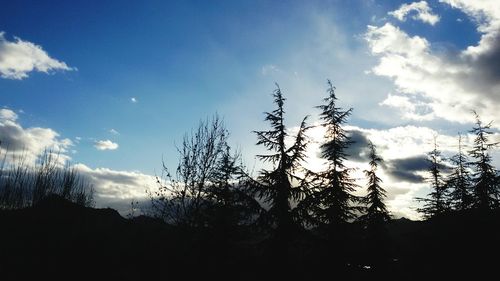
[{"x": 23, "y": 185}]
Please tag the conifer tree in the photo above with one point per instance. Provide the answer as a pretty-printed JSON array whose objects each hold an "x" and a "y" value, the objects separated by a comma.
[
  {"x": 280, "y": 186},
  {"x": 459, "y": 180},
  {"x": 376, "y": 210},
  {"x": 485, "y": 183},
  {"x": 334, "y": 198},
  {"x": 436, "y": 202}
]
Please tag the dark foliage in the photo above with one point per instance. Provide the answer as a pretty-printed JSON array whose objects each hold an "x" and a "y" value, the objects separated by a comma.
[
  {"x": 436, "y": 202},
  {"x": 281, "y": 185},
  {"x": 376, "y": 211},
  {"x": 333, "y": 201},
  {"x": 484, "y": 176},
  {"x": 459, "y": 181}
]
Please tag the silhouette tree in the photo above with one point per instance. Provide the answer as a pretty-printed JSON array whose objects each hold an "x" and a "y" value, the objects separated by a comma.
[
  {"x": 376, "y": 215},
  {"x": 459, "y": 180},
  {"x": 485, "y": 184},
  {"x": 333, "y": 197},
  {"x": 205, "y": 191},
  {"x": 376, "y": 210},
  {"x": 436, "y": 203},
  {"x": 181, "y": 198},
  {"x": 281, "y": 185}
]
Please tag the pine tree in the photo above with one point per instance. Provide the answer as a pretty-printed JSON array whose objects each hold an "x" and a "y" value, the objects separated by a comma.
[
  {"x": 376, "y": 216},
  {"x": 275, "y": 186},
  {"x": 436, "y": 202},
  {"x": 376, "y": 210},
  {"x": 485, "y": 184},
  {"x": 459, "y": 180},
  {"x": 334, "y": 198}
]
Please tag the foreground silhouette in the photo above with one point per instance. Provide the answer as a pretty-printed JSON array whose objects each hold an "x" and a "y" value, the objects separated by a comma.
[{"x": 57, "y": 238}]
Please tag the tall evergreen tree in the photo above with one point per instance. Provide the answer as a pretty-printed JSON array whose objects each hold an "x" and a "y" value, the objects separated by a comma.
[
  {"x": 376, "y": 210},
  {"x": 334, "y": 198},
  {"x": 376, "y": 215},
  {"x": 280, "y": 186},
  {"x": 485, "y": 183},
  {"x": 436, "y": 202},
  {"x": 459, "y": 180}
]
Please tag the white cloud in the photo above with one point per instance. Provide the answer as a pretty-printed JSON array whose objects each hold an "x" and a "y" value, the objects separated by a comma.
[
  {"x": 133, "y": 99},
  {"x": 485, "y": 12},
  {"x": 18, "y": 58},
  {"x": 422, "y": 12},
  {"x": 29, "y": 142},
  {"x": 105, "y": 145},
  {"x": 410, "y": 109},
  {"x": 447, "y": 86},
  {"x": 117, "y": 189},
  {"x": 7, "y": 114}
]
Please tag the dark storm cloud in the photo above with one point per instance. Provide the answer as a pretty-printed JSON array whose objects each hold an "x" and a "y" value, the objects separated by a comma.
[
  {"x": 489, "y": 62},
  {"x": 408, "y": 176},
  {"x": 405, "y": 169},
  {"x": 358, "y": 150}
]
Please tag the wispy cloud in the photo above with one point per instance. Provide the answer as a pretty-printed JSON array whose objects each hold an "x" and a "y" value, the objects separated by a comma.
[
  {"x": 18, "y": 58},
  {"x": 114, "y": 132},
  {"x": 105, "y": 145},
  {"x": 269, "y": 69},
  {"x": 421, "y": 11}
]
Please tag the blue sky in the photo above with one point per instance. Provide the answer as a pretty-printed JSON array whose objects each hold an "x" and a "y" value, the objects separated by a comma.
[{"x": 182, "y": 61}]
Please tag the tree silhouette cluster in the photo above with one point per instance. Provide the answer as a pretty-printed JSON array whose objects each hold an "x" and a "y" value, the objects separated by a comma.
[
  {"x": 286, "y": 204},
  {"x": 473, "y": 182},
  {"x": 211, "y": 185}
]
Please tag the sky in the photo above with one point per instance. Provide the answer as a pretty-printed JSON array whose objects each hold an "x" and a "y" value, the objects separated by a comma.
[{"x": 114, "y": 85}]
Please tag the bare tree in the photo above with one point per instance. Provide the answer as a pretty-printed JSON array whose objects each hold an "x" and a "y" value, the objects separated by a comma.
[{"x": 204, "y": 191}]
